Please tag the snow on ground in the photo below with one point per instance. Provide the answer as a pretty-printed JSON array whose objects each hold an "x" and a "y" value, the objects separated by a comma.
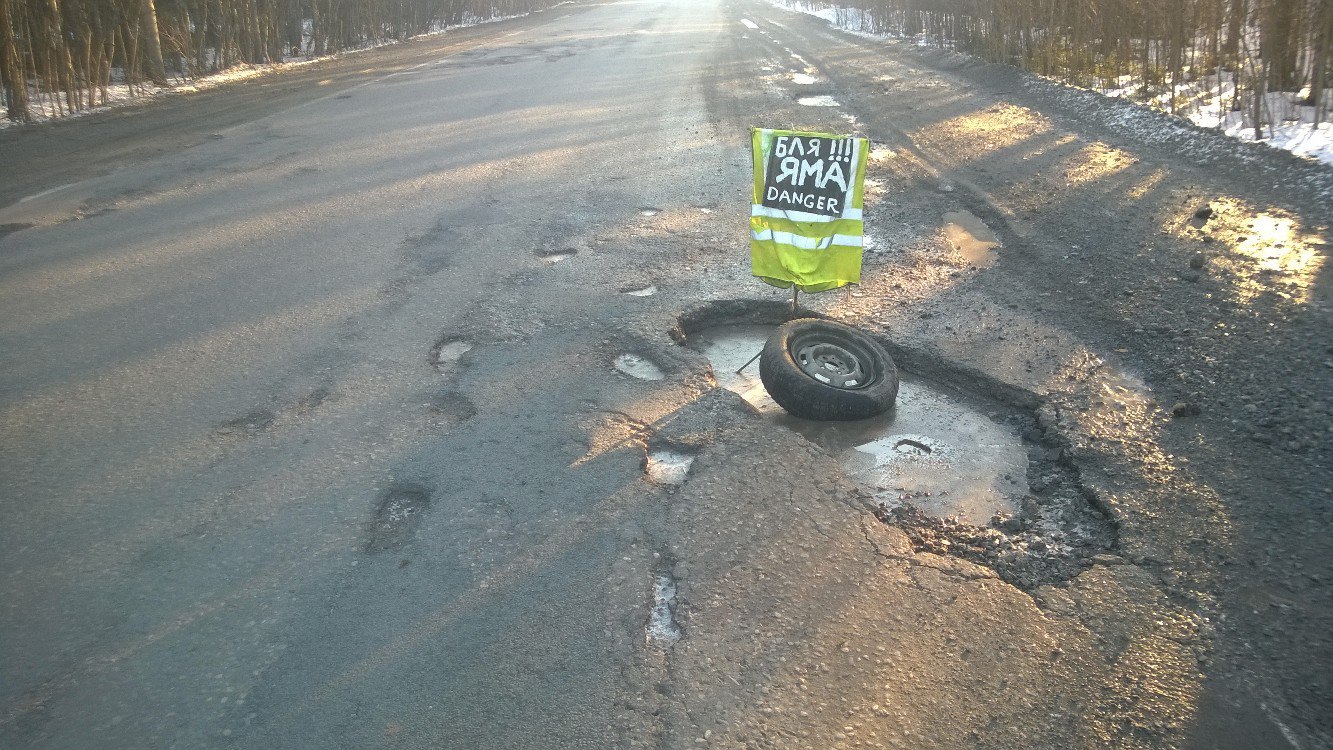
[
  {"x": 48, "y": 106},
  {"x": 1207, "y": 103}
]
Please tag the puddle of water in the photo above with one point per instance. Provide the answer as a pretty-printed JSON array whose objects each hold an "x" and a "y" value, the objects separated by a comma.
[
  {"x": 647, "y": 291},
  {"x": 729, "y": 347},
  {"x": 747, "y": 23},
  {"x": 669, "y": 467},
  {"x": 638, "y": 367},
  {"x": 936, "y": 452},
  {"x": 971, "y": 237},
  {"x": 818, "y": 101},
  {"x": 662, "y": 629},
  {"x": 802, "y": 79}
]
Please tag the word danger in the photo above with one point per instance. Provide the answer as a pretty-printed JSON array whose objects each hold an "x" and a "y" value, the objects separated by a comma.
[{"x": 808, "y": 174}]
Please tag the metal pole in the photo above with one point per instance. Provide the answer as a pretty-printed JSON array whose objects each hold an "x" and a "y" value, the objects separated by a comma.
[
  {"x": 752, "y": 359},
  {"x": 795, "y": 297}
]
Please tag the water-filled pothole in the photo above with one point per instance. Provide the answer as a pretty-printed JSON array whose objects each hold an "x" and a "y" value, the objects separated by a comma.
[
  {"x": 646, "y": 291},
  {"x": 974, "y": 474},
  {"x": 449, "y": 352},
  {"x": 638, "y": 367},
  {"x": 951, "y": 459},
  {"x": 818, "y": 101},
  {"x": 971, "y": 237},
  {"x": 556, "y": 255}
]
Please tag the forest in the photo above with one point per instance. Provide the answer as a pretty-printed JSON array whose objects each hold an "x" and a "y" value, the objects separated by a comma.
[
  {"x": 1267, "y": 59},
  {"x": 62, "y": 56},
  {"x": 1261, "y": 58}
]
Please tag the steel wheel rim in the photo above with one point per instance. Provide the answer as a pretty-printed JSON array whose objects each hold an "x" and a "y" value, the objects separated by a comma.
[{"x": 837, "y": 364}]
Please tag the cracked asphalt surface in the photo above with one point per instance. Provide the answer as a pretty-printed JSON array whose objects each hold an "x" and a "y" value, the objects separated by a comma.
[{"x": 312, "y": 435}]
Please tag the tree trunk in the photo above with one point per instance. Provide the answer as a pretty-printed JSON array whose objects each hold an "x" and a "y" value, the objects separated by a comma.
[
  {"x": 1260, "y": 90},
  {"x": 1319, "y": 56},
  {"x": 152, "y": 47},
  {"x": 11, "y": 68}
]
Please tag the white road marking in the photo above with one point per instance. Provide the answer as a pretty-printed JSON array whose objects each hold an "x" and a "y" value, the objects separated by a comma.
[{"x": 47, "y": 192}]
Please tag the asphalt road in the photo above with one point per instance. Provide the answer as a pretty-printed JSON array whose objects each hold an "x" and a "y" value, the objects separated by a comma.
[{"x": 312, "y": 437}]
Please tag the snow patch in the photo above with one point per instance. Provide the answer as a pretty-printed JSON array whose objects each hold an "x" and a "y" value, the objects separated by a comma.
[{"x": 749, "y": 24}]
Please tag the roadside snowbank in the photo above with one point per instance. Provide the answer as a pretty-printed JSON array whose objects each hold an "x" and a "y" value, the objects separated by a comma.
[{"x": 1207, "y": 102}]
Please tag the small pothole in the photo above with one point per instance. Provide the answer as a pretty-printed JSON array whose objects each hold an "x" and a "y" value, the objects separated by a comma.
[
  {"x": 662, "y": 629},
  {"x": 397, "y": 514},
  {"x": 646, "y": 291},
  {"x": 650, "y": 211},
  {"x": 667, "y": 467},
  {"x": 823, "y": 100},
  {"x": 249, "y": 424},
  {"x": 314, "y": 399},
  {"x": 7, "y": 229},
  {"x": 449, "y": 409},
  {"x": 448, "y": 353},
  {"x": 638, "y": 367},
  {"x": 970, "y": 236},
  {"x": 557, "y": 255}
]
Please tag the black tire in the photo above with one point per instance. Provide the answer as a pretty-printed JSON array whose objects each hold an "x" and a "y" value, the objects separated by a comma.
[{"x": 818, "y": 369}]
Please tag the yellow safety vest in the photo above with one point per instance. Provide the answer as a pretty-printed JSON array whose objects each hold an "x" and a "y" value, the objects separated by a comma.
[{"x": 805, "y": 216}]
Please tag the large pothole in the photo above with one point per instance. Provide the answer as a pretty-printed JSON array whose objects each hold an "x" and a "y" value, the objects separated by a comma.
[
  {"x": 948, "y": 458},
  {"x": 963, "y": 472}
]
